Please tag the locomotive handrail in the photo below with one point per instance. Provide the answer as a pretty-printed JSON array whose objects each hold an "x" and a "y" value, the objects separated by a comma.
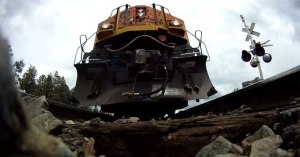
[
  {"x": 117, "y": 15},
  {"x": 199, "y": 46},
  {"x": 116, "y": 25},
  {"x": 164, "y": 16},
  {"x": 164, "y": 8},
  {"x": 200, "y": 42},
  {"x": 155, "y": 14},
  {"x": 199, "y": 39},
  {"x": 82, "y": 46},
  {"x": 111, "y": 14},
  {"x": 194, "y": 35}
]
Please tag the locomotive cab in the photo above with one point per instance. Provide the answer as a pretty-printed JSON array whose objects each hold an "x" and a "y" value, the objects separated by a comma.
[{"x": 141, "y": 64}]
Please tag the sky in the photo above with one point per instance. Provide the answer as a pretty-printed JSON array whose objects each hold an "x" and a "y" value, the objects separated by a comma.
[{"x": 46, "y": 33}]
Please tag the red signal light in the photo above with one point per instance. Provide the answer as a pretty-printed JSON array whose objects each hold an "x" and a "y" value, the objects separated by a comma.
[
  {"x": 246, "y": 56},
  {"x": 259, "y": 50}
]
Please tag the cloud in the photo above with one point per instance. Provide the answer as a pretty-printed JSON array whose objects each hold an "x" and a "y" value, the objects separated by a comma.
[
  {"x": 268, "y": 12},
  {"x": 17, "y": 7},
  {"x": 12, "y": 12}
]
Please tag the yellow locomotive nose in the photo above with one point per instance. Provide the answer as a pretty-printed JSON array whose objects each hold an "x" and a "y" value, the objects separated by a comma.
[{"x": 140, "y": 19}]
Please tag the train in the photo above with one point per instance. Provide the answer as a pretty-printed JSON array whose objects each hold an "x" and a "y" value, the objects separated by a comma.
[{"x": 142, "y": 64}]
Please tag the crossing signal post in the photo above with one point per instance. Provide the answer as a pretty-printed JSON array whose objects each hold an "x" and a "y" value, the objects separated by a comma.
[{"x": 256, "y": 49}]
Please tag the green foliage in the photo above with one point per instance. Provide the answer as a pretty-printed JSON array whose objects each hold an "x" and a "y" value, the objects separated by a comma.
[
  {"x": 27, "y": 82},
  {"x": 54, "y": 87},
  {"x": 18, "y": 66},
  {"x": 17, "y": 70},
  {"x": 60, "y": 88},
  {"x": 45, "y": 86}
]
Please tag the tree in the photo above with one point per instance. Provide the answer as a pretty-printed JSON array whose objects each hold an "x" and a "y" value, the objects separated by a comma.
[
  {"x": 17, "y": 70},
  {"x": 27, "y": 82},
  {"x": 61, "y": 89},
  {"x": 54, "y": 87},
  {"x": 18, "y": 66},
  {"x": 45, "y": 86}
]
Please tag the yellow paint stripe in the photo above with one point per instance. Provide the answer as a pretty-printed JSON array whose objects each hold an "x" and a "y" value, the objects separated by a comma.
[{"x": 104, "y": 34}]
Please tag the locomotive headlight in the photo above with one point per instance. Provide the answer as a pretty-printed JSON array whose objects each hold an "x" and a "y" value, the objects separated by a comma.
[
  {"x": 106, "y": 25},
  {"x": 141, "y": 12},
  {"x": 175, "y": 23}
]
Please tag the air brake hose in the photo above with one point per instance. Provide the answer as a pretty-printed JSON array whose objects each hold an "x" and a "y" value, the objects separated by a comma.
[
  {"x": 163, "y": 86},
  {"x": 135, "y": 39}
]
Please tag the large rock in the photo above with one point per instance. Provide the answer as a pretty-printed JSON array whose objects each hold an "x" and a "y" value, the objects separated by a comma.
[
  {"x": 39, "y": 116},
  {"x": 289, "y": 127},
  {"x": 291, "y": 136},
  {"x": 263, "y": 132},
  {"x": 290, "y": 116},
  {"x": 35, "y": 106},
  {"x": 266, "y": 147},
  {"x": 46, "y": 121},
  {"x": 219, "y": 146},
  {"x": 41, "y": 144}
]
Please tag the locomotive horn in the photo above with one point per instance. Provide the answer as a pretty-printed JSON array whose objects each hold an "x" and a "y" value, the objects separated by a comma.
[
  {"x": 259, "y": 50},
  {"x": 267, "y": 57},
  {"x": 254, "y": 62},
  {"x": 246, "y": 56}
]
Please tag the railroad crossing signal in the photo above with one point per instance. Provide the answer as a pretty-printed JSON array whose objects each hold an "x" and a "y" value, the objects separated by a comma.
[
  {"x": 251, "y": 31},
  {"x": 257, "y": 49}
]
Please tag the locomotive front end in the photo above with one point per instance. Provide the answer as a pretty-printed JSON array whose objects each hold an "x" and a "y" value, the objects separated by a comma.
[{"x": 142, "y": 63}]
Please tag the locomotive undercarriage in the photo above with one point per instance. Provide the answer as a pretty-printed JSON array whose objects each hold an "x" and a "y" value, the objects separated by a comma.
[{"x": 141, "y": 82}]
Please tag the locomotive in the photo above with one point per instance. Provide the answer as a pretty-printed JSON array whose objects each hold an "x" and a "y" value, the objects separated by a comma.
[{"x": 142, "y": 64}]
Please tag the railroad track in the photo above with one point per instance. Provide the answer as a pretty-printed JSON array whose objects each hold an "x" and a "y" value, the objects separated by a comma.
[
  {"x": 275, "y": 92},
  {"x": 65, "y": 111}
]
